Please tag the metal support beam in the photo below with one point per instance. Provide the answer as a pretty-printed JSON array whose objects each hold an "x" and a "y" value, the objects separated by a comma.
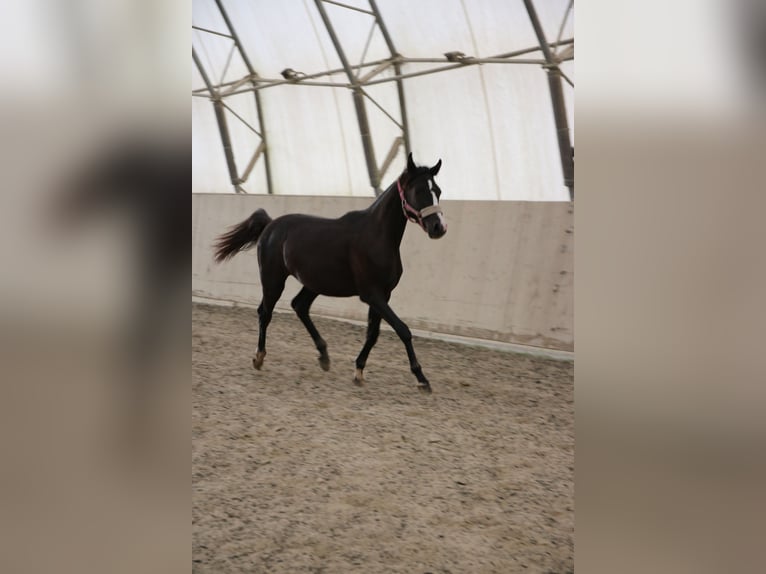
[
  {"x": 375, "y": 71},
  {"x": 534, "y": 49},
  {"x": 251, "y": 163},
  {"x": 361, "y": 110},
  {"x": 471, "y": 60},
  {"x": 223, "y": 129},
  {"x": 258, "y": 105},
  {"x": 210, "y": 31},
  {"x": 539, "y": 31},
  {"x": 397, "y": 72},
  {"x": 391, "y": 155},
  {"x": 382, "y": 109},
  {"x": 260, "y": 80},
  {"x": 564, "y": 22},
  {"x": 367, "y": 80},
  {"x": 364, "y": 130},
  {"x": 341, "y": 4},
  {"x": 240, "y": 118},
  {"x": 562, "y": 128},
  {"x": 557, "y": 100}
]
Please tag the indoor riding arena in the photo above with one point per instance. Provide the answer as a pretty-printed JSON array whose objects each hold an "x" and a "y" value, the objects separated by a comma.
[
  {"x": 299, "y": 470},
  {"x": 314, "y": 108}
]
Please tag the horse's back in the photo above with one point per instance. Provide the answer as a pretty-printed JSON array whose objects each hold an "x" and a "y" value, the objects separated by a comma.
[{"x": 303, "y": 228}]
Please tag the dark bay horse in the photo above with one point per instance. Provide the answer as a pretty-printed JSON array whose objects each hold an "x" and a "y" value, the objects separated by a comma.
[{"x": 354, "y": 255}]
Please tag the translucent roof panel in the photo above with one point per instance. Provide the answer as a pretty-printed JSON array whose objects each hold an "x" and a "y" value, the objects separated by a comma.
[{"x": 492, "y": 124}]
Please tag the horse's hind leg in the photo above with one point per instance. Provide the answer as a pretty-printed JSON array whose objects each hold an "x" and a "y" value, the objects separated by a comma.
[
  {"x": 373, "y": 330},
  {"x": 302, "y": 303},
  {"x": 272, "y": 291}
]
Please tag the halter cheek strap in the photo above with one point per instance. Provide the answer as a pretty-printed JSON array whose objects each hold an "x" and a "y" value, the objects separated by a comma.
[{"x": 413, "y": 214}]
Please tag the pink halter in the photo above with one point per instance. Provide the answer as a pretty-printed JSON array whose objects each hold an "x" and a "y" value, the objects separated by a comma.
[{"x": 413, "y": 214}]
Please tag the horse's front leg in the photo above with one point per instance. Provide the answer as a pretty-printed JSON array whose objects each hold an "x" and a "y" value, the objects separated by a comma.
[
  {"x": 381, "y": 306},
  {"x": 373, "y": 330}
]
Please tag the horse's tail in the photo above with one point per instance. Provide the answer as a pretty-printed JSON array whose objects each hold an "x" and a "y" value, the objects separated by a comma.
[{"x": 241, "y": 236}]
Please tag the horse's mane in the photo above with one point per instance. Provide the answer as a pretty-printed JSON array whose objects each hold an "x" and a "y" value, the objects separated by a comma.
[
  {"x": 421, "y": 170},
  {"x": 379, "y": 199}
]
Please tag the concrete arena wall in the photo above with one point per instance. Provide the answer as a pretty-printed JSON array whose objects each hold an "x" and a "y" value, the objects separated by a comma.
[{"x": 503, "y": 271}]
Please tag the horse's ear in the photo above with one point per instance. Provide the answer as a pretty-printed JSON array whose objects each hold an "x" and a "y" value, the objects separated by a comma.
[
  {"x": 435, "y": 169},
  {"x": 410, "y": 164}
]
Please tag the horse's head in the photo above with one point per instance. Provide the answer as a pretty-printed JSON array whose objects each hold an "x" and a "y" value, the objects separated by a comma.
[{"x": 420, "y": 197}]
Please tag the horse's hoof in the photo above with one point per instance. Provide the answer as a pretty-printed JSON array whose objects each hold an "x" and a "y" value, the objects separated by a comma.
[
  {"x": 324, "y": 362},
  {"x": 258, "y": 360},
  {"x": 424, "y": 388},
  {"x": 359, "y": 378}
]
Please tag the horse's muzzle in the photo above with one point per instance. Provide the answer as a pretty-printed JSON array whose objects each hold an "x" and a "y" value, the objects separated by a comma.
[{"x": 436, "y": 230}]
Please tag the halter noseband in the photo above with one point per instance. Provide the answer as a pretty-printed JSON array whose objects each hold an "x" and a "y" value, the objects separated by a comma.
[{"x": 413, "y": 214}]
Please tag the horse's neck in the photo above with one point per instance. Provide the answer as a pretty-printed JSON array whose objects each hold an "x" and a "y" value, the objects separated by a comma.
[{"x": 388, "y": 214}]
